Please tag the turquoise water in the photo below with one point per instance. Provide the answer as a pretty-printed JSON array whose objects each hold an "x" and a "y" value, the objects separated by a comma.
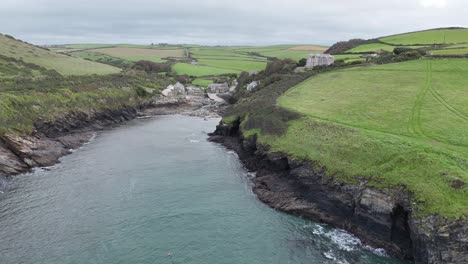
[{"x": 151, "y": 187}]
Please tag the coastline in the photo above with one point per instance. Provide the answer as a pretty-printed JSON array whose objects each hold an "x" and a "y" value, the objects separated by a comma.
[
  {"x": 380, "y": 218},
  {"x": 51, "y": 140}
]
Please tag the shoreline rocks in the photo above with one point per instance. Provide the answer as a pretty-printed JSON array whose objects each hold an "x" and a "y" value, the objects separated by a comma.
[
  {"x": 380, "y": 218},
  {"x": 51, "y": 140}
]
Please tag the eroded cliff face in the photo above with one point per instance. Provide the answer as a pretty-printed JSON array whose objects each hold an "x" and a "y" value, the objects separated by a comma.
[
  {"x": 381, "y": 218},
  {"x": 51, "y": 140}
]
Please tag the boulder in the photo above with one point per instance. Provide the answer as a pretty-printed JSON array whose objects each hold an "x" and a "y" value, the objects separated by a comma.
[
  {"x": 177, "y": 89},
  {"x": 193, "y": 90},
  {"x": 251, "y": 86}
]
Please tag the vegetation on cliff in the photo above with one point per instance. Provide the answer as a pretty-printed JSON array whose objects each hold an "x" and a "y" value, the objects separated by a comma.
[
  {"x": 31, "y": 90},
  {"x": 399, "y": 125}
]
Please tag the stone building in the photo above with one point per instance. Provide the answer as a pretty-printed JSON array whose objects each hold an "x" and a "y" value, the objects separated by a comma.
[
  {"x": 319, "y": 59},
  {"x": 218, "y": 88}
]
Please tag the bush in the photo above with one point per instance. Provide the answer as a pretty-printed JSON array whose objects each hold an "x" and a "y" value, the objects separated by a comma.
[
  {"x": 342, "y": 46},
  {"x": 302, "y": 62},
  {"x": 278, "y": 66},
  {"x": 400, "y": 50},
  {"x": 149, "y": 66}
]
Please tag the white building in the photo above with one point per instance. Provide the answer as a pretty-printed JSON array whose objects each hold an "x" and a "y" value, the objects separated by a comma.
[{"x": 319, "y": 59}]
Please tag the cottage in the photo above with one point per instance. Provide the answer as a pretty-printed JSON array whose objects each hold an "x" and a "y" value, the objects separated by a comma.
[
  {"x": 319, "y": 59},
  {"x": 218, "y": 88}
]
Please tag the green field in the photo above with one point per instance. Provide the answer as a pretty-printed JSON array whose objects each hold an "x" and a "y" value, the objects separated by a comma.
[
  {"x": 136, "y": 54},
  {"x": 294, "y": 52},
  {"x": 402, "y": 123},
  {"x": 444, "y": 39},
  {"x": 63, "y": 64},
  {"x": 237, "y": 59},
  {"x": 349, "y": 57},
  {"x": 459, "y": 51},
  {"x": 199, "y": 70},
  {"x": 202, "y": 82},
  {"x": 101, "y": 58},
  {"x": 435, "y": 36},
  {"x": 371, "y": 48}
]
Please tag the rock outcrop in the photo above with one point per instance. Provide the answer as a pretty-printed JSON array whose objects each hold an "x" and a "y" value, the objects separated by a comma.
[
  {"x": 51, "y": 140},
  {"x": 381, "y": 218}
]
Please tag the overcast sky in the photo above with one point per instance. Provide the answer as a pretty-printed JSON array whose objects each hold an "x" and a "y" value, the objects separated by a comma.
[{"x": 222, "y": 22}]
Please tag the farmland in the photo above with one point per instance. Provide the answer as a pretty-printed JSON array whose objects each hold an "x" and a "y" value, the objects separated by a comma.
[
  {"x": 40, "y": 83},
  {"x": 136, "y": 54},
  {"x": 220, "y": 60},
  {"x": 208, "y": 61},
  {"x": 63, "y": 64},
  {"x": 200, "y": 70},
  {"x": 436, "y": 41},
  {"x": 435, "y": 36},
  {"x": 402, "y": 123}
]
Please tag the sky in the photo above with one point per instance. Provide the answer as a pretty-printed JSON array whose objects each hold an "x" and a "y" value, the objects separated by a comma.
[{"x": 221, "y": 22}]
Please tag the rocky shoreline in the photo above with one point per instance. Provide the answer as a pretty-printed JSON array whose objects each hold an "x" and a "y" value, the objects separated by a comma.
[
  {"x": 51, "y": 140},
  {"x": 380, "y": 218}
]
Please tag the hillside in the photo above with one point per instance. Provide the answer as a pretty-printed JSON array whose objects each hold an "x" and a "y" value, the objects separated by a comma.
[
  {"x": 437, "y": 42},
  {"x": 38, "y": 84},
  {"x": 206, "y": 62},
  {"x": 401, "y": 123},
  {"x": 63, "y": 64},
  {"x": 397, "y": 124}
]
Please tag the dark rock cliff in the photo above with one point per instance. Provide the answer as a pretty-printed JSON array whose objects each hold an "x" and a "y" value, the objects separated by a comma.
[
  {"x": 51, "y": 140},
  {"x": 381, "y": 218}
]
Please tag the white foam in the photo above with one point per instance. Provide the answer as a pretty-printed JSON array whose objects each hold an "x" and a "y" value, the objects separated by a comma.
[
  {"x": 233, "y": 153},
  {"x": 318, "y": 230},
  {"x": 377, "y": 251},
  {"x": 194, "y": 141},
  {"x": 329, "y": 255},
  {"x": 344, "y": 240}
]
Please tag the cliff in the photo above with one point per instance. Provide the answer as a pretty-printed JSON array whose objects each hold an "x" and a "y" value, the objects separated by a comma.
[{"x": 381, "y": 218}]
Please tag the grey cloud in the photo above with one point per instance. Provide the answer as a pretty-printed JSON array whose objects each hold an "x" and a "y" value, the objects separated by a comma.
[{"x": 241, "y": 22}]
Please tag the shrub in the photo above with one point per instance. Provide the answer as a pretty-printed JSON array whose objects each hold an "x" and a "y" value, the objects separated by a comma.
[
  {"x": 400, "y": 50},
  {"x": 342, "y": 46},
  {"x": 302, "y": 62},
  {"x": 149, "y": 66}
]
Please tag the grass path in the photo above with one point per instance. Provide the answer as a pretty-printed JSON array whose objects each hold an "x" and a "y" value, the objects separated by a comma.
[{"x": 415, "y": 126}]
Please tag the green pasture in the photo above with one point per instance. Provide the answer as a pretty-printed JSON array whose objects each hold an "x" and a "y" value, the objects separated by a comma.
[{"x": 396, "y": 124}]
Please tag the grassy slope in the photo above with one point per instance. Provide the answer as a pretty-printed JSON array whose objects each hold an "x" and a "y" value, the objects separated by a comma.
[
  {"x": 63, "y": 64},
  {"x": 199, "y": 70},
  {"x": 393, "y": 124},
  {"x": 436, "y": 36},
  {"x": 30, "y": 91},
  {"x": 136, "y": 54},
  {"x": 422, "y": 39},
  {"x": 459, "y": 51},
  {"x": 218, "y": 60}
]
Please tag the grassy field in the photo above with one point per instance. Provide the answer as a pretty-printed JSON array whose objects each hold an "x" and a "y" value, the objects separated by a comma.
[
  {"x": 402, "y": 123},
  {"x": 458, "y": 51},
  {"x": 199, "y": 70},
  {"x": 448, "y": 38},
  {"x": 202, "y": 82},
  {"x": 284, "y": 51},
  {"x": 136, "y": 54},
  {"x": 63, "y": 64},
  {"x": 101, "y": 58},
  {"x": 437, "y": 36},
  {"x": 371, "y": 48},
  {"x": 237, "y": 59},
  {"x": 348, "y": 57}
]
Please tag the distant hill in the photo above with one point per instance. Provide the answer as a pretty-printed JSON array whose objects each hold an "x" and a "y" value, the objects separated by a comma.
[
  {"x": 63, "y": 64},
  {"x": 437, "y": 42}
]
